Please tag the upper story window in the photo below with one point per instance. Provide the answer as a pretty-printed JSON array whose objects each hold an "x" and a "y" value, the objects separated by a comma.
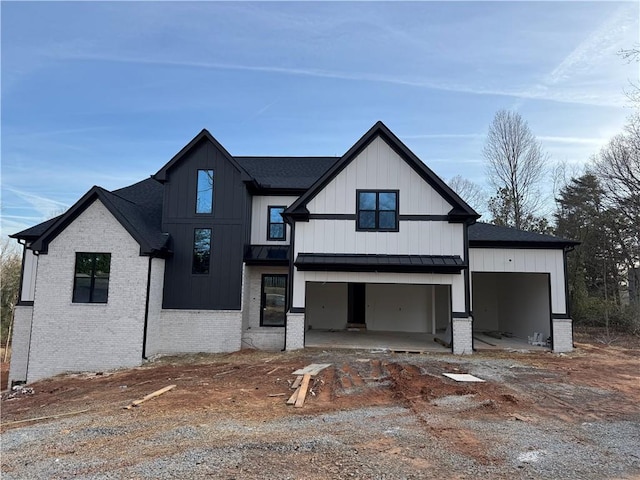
[
  {"x": 275, "y": 228},
  {"x": 377, "y": 210},
  {"x": 91, "y": 282},
  {"x": 204, "y": 198},
  {"x": 201, "y": 250}
]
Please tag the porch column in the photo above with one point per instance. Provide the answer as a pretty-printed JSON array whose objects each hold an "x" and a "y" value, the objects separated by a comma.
[
  {"x": 295, "y": 331},
  {"x": 462, "y": 336},
  {"x": 562, "y": 335}
]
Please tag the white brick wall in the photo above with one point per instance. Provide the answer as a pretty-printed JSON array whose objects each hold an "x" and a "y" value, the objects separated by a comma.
[
  {"x": 295, "y": 331},
  {"x": 20, "y": 343},
  {"x": 462, "y": 336},
  {"x": 195, "y": 331},
  {"x": 562, "y": 335},
  {"x": 70, "y": 336},
  {"x": 253, "y": 335}
]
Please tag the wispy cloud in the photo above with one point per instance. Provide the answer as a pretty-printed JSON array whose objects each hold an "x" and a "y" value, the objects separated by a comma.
[
  {"x": 444, "y": 136},
  {"x": 45, "y": 206},
  {"x": 585, "y": 98},
  {"x": 573, "y": 140}
]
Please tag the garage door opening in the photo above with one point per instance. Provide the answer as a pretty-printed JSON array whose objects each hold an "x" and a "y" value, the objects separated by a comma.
[
  {"x": 401, "y": 317},
  {"x": 511, "y": 310}
]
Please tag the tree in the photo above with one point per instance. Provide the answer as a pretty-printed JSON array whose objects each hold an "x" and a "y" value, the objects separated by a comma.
[
  {"x": 618, "y": 167},
  {"x": 515, "y": 166},
  {"x": 10, "y": 265},
  {"x": 632, "y": 55},
  {"x": 469, "y": 191}
]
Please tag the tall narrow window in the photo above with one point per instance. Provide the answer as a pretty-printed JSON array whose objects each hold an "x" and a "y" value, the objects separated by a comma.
[
  {"x": 201, "y": 250},
  {"x": 91, "y": 282},
  {"x": 275, "y": 228},
  {"x": 377, "y": 210},
  {"x": 204, "y": 198},
  {"x": 274, "y": 291}
]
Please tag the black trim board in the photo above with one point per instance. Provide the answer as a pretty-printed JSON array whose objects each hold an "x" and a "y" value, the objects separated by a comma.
[
  {"x": 380, "y": 263},
  {"x": 297, "y": 310},
  {"x": 459, "y": 315}
]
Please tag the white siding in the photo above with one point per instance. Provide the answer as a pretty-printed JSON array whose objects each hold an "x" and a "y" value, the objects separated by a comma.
[
  {"x": 414, "y": 238},
  {"x": 379, "y": 167},
  {"x": 259, "y": 216},
  {"x": 70, "y": 336},
  {"x": 20, "y": 339},
  {"x": 29, "y": 276},
  {"x": 524, "y": 261}
]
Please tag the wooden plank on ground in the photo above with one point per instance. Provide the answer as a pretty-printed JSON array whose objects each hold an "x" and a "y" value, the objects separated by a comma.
[
  {"x": 312, "y": 369},
  {"x": 150, "y": 396},
  {"x": 293, "y": 397},
  {"x": 304, "y": 387},
  {"x": 271, "y": 371},
  {"x": 297, "y": 382}
]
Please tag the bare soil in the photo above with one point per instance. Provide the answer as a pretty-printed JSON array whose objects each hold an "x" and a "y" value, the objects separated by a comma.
[{"x": 400, "y": 415}]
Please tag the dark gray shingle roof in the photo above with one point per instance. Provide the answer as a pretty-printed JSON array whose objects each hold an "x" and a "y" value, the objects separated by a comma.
[
  {"x": 295, "y": 173},
  {"x": 487, "y": 235}
]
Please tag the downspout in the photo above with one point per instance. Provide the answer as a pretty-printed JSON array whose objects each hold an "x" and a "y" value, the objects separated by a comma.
[{"x": 146, "y": 311}]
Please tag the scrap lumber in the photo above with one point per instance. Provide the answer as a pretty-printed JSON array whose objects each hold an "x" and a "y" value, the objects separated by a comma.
[
  {"x": 303, "y": 390},
  {"x": 312, "y": 369},
  {"x": 441, "y": 342},
  {"x": 297, "y": 382},
  {"x": 271, "y": 371},
  {"x": 157, "y": 393},
  {"x": 35, "y": 419},
  {"x": 293, "y": 397}
]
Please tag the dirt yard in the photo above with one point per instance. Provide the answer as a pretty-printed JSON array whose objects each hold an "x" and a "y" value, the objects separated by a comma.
[{"x": 370, "y": 415}]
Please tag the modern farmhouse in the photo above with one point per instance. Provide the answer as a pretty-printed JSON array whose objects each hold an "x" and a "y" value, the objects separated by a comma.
[{"x": 215, "y": 253}]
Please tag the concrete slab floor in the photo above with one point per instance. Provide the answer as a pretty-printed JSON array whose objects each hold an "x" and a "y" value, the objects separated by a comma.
[
  {"x": 369, "y": 340},
  {"x": 485, "y": 342}
]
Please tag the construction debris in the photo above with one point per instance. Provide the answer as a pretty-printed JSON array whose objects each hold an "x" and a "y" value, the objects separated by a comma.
[
  {"x": 150, "y": 396},
  {"x": 302, "y": 394},
  {"x": 20, "y": 391},
  {"x": 312, "y": 369},
  {"x": 463, "y": 377}
]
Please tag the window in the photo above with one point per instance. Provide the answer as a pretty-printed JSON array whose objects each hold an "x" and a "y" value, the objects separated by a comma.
[
  {"x": 201, "y": 250},
  {"x": 91, "y": 282},
  {"x": 377, "y": 210},
  {"x": 204, "y": 199},
  {"x": 273, "y": 303},
  {"x": 275, "y": 228}
]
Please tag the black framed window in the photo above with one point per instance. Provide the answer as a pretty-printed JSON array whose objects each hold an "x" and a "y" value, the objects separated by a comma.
[
  {"x": 273, "y": 300},
  {"x": 275, "y": 228},
  {"x": 201, "y": 251},
  {"x": 204, "y": 195},
  {"x": 377, "y": 210},
  {"x": 91, "y": 281}
]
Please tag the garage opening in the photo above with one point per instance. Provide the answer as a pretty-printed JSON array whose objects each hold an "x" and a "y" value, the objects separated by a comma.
[
  {"x": 511, "y": 310},
  {"x": 403, "y": 317}
]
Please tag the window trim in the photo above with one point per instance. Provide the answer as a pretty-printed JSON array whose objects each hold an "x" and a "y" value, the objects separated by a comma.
[
  {"x": 377, "y": 211},
  {"x": 269, "y": 223},
  {"x": 263, "y": 298},
  {"x": 93, "y": 278},
  {"x": 210, "y": 212},
  {"x": 193, "y": 251}
]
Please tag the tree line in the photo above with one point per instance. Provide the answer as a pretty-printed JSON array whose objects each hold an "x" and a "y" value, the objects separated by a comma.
[{"x": 598, "y": 206}]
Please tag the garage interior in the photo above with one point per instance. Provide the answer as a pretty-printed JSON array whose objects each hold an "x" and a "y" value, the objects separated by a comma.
[
  {"x": 400, "y": 317},
  {"x": 509, "y": 308}
]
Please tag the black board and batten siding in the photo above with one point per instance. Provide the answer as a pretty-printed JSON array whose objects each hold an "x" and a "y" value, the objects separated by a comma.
[{"x": 221, "y": 288}]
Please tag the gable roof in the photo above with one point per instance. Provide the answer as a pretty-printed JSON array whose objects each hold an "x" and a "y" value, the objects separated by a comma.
[
  {"x": 461, "y": 211},
  {"x": 161, "y": 175},
  {"x": 487, "y": 235},
  {"x": 285, "y": 174},
  {"x": 137, "y": 207}
]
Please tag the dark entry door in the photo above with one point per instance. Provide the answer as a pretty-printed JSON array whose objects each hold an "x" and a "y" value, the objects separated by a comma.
[
  {"x": 357, "y": 303},
  {"x": 274, "y": 291}
]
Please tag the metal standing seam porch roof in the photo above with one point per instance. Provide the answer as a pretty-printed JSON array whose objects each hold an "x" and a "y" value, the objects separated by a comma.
[{"x": 379, "y": 263}]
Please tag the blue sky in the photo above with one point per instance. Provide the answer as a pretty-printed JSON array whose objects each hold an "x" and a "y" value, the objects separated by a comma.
[{"x": 104, "y": 94}]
